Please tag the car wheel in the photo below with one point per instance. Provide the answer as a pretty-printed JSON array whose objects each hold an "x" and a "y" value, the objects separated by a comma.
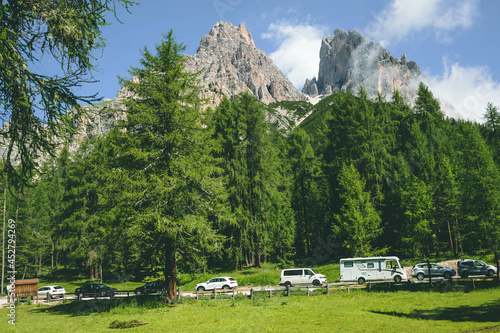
[
  {"x": 490, "y": 273},
  {"x": 397, "y": 278},
  {"x": 316, "y": 283},
  {"x": 81, "y": 295},
  {"x": 288, "y": 283},
  {"x": 138, "y": 292},
  {"x": 200, "y": 289},
  {"x": 420, "y": 276},
  {"x": 447, "y": 275},
  {"x": 226, "y": 287},
  {"x": 464, "y": 275},
  {"x": 361, "y": 280},
  {"x": 103, "y": 293}
]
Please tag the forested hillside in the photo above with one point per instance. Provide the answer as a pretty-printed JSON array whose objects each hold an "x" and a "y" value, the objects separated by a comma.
[{"x": 177, "y": 187}]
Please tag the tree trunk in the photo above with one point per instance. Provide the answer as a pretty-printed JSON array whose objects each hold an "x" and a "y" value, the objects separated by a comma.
[
  {"x": 451, "y": 240},
  {"x": 170, "y": 270}
]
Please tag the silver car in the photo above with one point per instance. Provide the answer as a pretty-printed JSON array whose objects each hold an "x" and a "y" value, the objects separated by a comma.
[
  {"x": 475, "y": 267},
  {"x": 421, "y": 271}
]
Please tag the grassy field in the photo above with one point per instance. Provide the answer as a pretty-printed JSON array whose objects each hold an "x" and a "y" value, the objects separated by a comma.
[{"x": 357, "y": 311}]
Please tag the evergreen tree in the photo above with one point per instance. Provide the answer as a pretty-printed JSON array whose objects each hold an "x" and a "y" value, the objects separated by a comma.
[
  {"x": 417, "y": 207},
  {"x": 492, "y": 130},
  {"x": 358, "y": 222},
  {"x": 167, "y": 153},
  {"x": 65, "y": 32},
  {"x": 305, "y": 197}
]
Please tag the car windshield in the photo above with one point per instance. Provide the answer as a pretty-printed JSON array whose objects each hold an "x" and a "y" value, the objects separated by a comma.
[
  {"x": 231, "y": 279},
  {"x": 58, "y": 287},
  {"x": 314, "y": 271}
]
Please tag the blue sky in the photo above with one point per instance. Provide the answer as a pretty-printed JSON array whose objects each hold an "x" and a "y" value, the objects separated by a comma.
[{"x": 456, "y": 43}]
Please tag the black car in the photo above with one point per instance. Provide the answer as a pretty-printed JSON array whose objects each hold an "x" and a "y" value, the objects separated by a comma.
[
  {"x": 95, "y": 289},
  {"x": 151, "y": 288}
]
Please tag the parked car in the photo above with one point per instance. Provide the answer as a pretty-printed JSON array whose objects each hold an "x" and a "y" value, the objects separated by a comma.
[
  {"x": 151, "y": 288},
  {"x": 421, "y": 271},
  {"x": 296, "y": 276},
  {"x": 224, "y": 282},
  {"x": 475, "y": 267},
  {"x": 97, "y": 289},
  {"x": 54, "y": 291}
]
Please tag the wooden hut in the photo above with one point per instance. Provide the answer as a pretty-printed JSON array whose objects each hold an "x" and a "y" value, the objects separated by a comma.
[{"x": 26, "y": 288}]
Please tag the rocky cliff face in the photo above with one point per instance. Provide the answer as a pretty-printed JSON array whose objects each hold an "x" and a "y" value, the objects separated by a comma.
[
  {"x": 349, "y": 61},
  {"x": 230, "y": 64}
]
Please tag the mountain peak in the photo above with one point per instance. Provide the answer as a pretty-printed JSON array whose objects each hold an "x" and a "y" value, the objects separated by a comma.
[
  {"x": 230, "y": 64},
  {"x": 350, "y": 60}
]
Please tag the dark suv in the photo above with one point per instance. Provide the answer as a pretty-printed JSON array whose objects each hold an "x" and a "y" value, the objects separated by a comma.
[
  {"x": 475, "y": 267},
  {"x": 151, "y": 288},
  {"x": 96, "y": 289}
]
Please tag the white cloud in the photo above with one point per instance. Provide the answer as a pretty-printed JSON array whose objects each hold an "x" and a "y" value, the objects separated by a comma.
[
  {"x": 403, "y": 17},
  {"x": 298, "y": 52},
  {"x": 464, "y": 92}
]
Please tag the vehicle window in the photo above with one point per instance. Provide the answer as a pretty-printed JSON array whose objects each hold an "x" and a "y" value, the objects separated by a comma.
[
  {"x": 308, "y": 272},
  {"x": 468, "y": 263},
  {"x": 348, "y": 264},
  {"x": 479, "y": 264},
  {"x": 392, "y": 264},
  {"x": 231, "y": 279},
  {"x": 292, "y": 272},
  {"x": 212, "y": 280},
  {"x": 371, "y": 265},
  {"x": 58, "y": 287}
]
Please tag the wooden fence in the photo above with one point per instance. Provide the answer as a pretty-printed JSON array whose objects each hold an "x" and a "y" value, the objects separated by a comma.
[{"x": 268, "y": 292}]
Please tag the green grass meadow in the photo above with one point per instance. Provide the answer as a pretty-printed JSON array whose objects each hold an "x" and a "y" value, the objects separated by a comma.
[{"x": 356, "y": 311}]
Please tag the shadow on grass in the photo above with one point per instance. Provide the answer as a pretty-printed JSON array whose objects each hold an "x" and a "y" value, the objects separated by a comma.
[
  {"x": 488, "y": 312},
  {"x": 85, "y": 308}
]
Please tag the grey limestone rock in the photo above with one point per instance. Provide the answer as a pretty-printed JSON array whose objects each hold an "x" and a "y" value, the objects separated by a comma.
[
  {"x": 230, "y": 64},
  {"x": 349, "y": 61}
]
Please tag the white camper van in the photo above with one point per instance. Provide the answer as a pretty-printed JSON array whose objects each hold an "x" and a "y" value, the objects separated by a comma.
[{"x": 371, "y": 269}]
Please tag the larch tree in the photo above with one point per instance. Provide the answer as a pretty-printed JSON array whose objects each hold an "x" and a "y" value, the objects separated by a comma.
[
  {"x": 32, "y": 102},
  {"x": 167, "y": 151}
]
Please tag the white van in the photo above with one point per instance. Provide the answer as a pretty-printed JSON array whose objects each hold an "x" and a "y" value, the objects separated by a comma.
[
  {"x": 294, "y": 276},
  {"x": 371, "y": 269}
]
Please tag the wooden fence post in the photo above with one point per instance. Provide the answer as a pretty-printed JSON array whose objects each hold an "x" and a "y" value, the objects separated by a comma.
[
  {"x": 215, "y": 293},
  {"x": 308, "y": 293},
  {"x": 348, "y": 289},
  {"x": 197, "y": 294},
  {"x": 234, "y": 292},
  {"x": 179, "y": 293},
  {"x": 270, "y": 293},
  {"x": 251, "y": 293},
  {"x": 473, "y": 285},
  {"x": 287, "y": 290},
  {"x": 128, "y": 293},
  {"x": 327, "y": 289}
]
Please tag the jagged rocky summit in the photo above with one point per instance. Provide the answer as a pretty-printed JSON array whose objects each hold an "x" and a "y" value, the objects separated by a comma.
[
  {"x": 349, "y": 61},
  {"x": 230, "y": 63}
]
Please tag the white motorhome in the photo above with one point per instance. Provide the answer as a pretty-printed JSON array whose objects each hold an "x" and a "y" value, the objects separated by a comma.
[{"x": 371, "y": 269}]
